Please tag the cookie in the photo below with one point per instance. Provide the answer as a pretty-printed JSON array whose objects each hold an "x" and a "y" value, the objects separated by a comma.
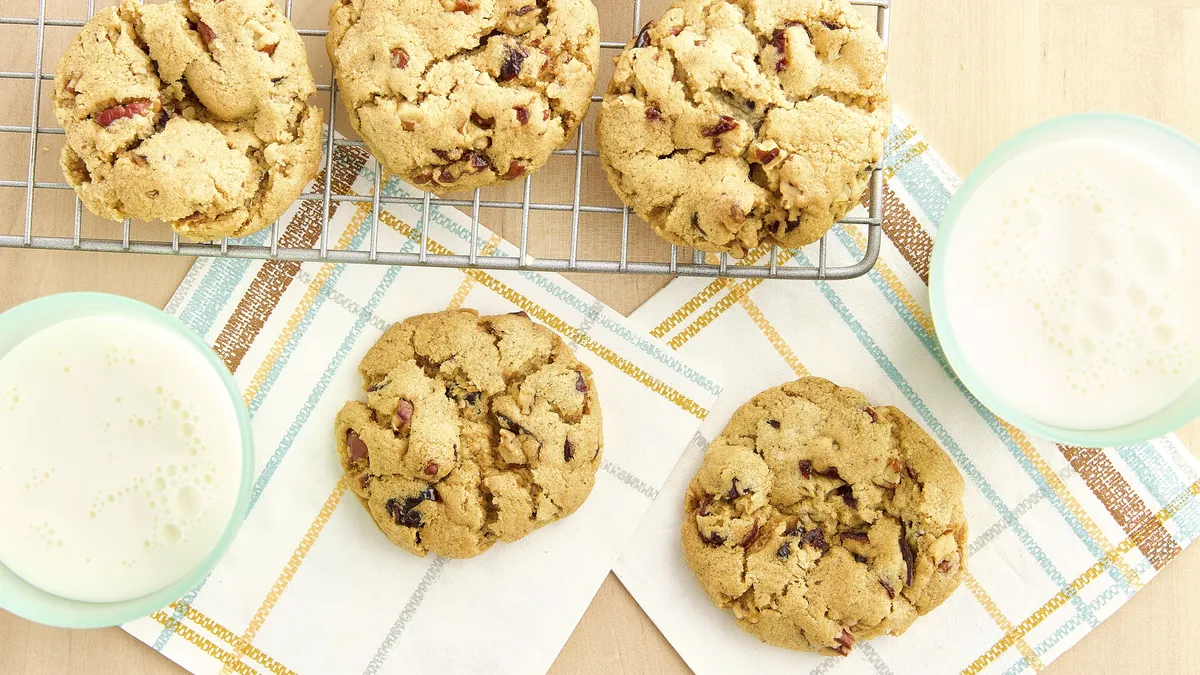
[
  {"x": 193, "y": 112},
  {"x": 475, "y": 429},
  {"x": 821, "y": 520},
  {"x": 459, "y": 94},
  {"x": 733, "y": 123}
]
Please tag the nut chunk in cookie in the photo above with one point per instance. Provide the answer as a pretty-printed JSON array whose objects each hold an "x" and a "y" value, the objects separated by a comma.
[
  {"x": 820, "y": 520},
  {"x": 193, "y": 112},
  {"x": 729, "y": 124},
  {"x": 459, "y": 94},
  {"x": 474, "y": 429}
]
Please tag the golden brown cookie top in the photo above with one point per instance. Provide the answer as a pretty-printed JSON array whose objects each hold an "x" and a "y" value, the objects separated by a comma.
[
  {"x": 457, "y": 94},
  {"x": 193, "y": 112},
  {"x": 474, "y": 429},
  {"x": 821, "y": 520},
  {"x": 730, "y": 123}
]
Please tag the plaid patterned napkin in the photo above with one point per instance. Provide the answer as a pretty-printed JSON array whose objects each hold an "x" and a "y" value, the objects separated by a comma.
[
  {"x": 310, "y": 586},
  {"x": 1060, "y": 537}
]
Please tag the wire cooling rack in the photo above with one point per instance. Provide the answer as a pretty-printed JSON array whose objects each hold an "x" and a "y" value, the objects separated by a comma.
[{"x": 542, "y": 216}]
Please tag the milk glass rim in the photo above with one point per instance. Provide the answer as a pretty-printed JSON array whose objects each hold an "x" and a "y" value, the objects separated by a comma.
[
  {"x": 1175, "y": 415},
  {"x": 26, "y": 600}
]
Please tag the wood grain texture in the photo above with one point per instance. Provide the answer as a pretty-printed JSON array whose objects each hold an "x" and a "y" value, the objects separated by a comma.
[{"x": 969, "y": 72}]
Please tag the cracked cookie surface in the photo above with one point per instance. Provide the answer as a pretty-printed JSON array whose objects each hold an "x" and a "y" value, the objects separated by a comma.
[
  {"x": 821, "y": 520},
  {"x": 733, "y": 123},
  {"x": 193, "y": 112},
  {"x": 459, "y": 94},
  {"x": 475, "y": 429}
]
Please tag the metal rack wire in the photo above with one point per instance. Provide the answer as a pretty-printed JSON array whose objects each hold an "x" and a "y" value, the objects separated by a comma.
[{"x": 677, "y": 261}]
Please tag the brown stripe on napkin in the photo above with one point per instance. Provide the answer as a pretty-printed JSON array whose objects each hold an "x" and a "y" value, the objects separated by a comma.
[
  {"x": 274, "y": 276},
  {"x": 899, "y": 224},
  {"x": 1126, "y": 507}
]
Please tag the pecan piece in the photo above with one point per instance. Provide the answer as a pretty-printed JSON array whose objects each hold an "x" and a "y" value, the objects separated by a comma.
[
  {"x": 750, "y": 536},
  {"x": 356, "y": 446},
  {"x": 399, "y": 58},
  {"x": 643, "y": 38},
  {"x": 206, "y": 33},
  {"x": 515, "y": 169},
  {"x": 141, "y": 106},
  {"x": 846, "y": 640},
  {"x": 403, "y": 416}
]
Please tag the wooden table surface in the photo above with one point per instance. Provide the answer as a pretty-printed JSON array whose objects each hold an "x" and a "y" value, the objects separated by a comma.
[{"x": 969, "y": 72}]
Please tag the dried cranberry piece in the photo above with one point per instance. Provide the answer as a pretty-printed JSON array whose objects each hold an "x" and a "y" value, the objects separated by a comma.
[
  {"x": 945, "y": 565},
  {"x": 444, "y": 154},
  {"x": 860, "y": 558},
  {"x": 713, "y": 539},
  {"x": 702, "y": 507},
  {"x": 856, "y": 536},
  {"x": 888, "y": 588},
  {"x": 399, "y": 58},
  {"x": 522, "y": 114},
  {"x": 831, "y": 472},
  {"x": 356, "y": 446},
  {"x": 423, "y": 178},
  {"x": 482, "y": 122},
  {"x": 653, "y": 114},
  {"x": 477, "y": 160},
  {"x": 520, "y": 313},
  {"x": 733, "y": 490},
  {"x": 580, "y": 383},
  {"x": 785, "y": 550},
  {"x": 445, "y": 177},
  {"x": 816, "y": 539},
  {"x": 846, "y": 492},
  {"x": 431, "y": 469},
  {"x": 472, "y": 398},
  {"x": 774, "y": 424},
  {"x": 378, "y": 385},
  {"x": 510, "y": 68},
  {"x": 806, "y": 468},
  {"x": 522, "y": 11},
  {"x": 724, "y": 123},
  {"x": 568, "y": 450},
  {"x": 364, "y": 480},
  {"x": 872, "y": 414},
  {"x": 906, "y": 552},
  {"x": 831, "y": 25},
  {"x": 643, "y": 38}
]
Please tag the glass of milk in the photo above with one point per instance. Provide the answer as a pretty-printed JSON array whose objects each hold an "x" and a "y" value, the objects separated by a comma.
[
  {"x": 125, "y": 460},
  {"x": 1065, "y": 276}
]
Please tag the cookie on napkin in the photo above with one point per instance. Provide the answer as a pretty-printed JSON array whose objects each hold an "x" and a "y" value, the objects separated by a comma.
[
  {"x": 820, "y": 520},
  {"x": 475, "y": 429}
]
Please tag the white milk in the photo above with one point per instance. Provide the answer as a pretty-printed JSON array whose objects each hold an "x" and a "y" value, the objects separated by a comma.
[
  {"x": 120, "y": 459},
  {"x": 1071, "y": 281}
]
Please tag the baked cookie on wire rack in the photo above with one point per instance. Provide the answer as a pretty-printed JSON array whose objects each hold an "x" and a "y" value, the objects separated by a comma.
[
  {"x": 193, "y": 112},
  {"x": 460, "y": 94},
  {"x": 733, "y": 123}
]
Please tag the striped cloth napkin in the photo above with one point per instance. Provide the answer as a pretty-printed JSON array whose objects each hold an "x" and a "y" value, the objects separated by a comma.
[
  {"x": 1060, "y": 537},
  {"x": 310, "y": 585}
]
